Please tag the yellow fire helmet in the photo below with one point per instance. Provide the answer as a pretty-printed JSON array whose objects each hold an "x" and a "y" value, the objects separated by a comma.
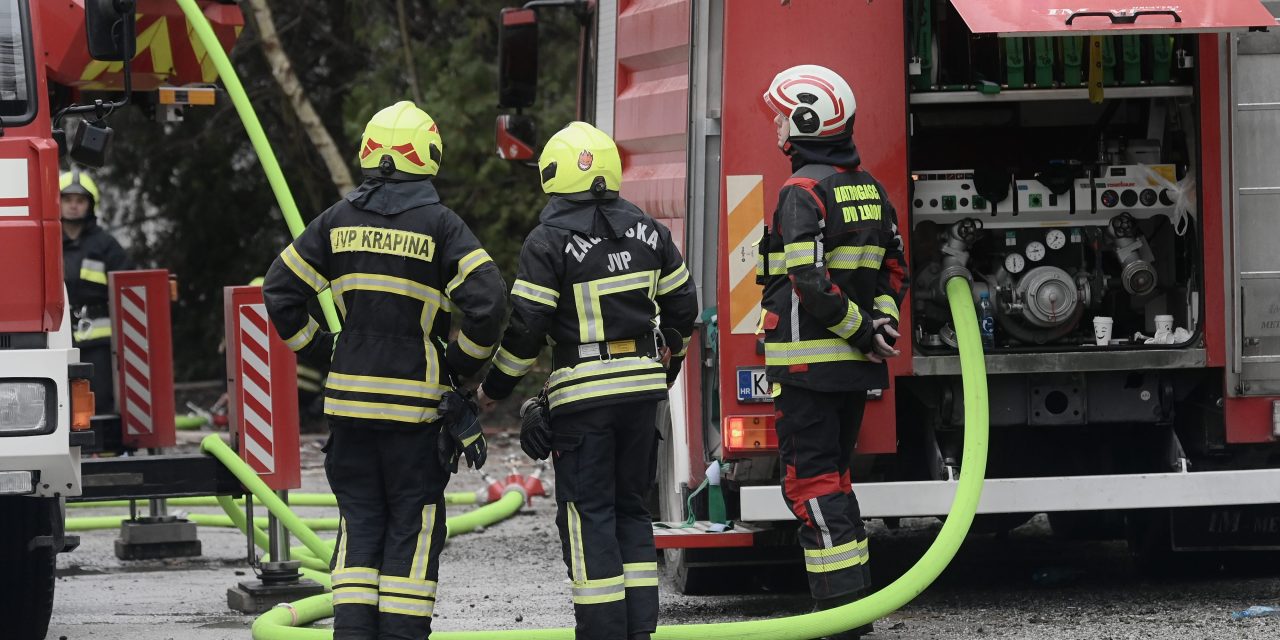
[
  {"x": 77, "y": 181},
  {"x": 401, "y": 142},
  {"x": 580, "y": 158}
]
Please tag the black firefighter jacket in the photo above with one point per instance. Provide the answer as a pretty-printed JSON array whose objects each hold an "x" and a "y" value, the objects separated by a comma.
[
  {"x": 399, "y": 264},
  {"x": 833, "y": 264},
  {"x": 86, "y": 261},
  {"x": 596, "y": 279}
]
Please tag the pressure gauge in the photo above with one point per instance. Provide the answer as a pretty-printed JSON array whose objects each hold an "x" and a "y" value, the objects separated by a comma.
[
  {"x": 1014, "y": 263},
  {"x": 1035, "y": 252},
  {"x": 1056, "y": 239}
]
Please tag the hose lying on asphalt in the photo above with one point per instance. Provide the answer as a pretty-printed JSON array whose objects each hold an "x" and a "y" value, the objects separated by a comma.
[{"x": 295, "y": 500}]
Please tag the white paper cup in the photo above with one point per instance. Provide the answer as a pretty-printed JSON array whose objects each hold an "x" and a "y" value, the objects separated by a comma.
[
  {"x": 1102, "y": 330},
  {"x": 1164, "y": 324}
]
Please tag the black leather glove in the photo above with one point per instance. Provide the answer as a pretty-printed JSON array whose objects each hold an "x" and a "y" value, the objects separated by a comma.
[
  {"x": 535, "y": 428},
  {"x": 460, "y": 421},
  {"x": 881, "y": 330}
]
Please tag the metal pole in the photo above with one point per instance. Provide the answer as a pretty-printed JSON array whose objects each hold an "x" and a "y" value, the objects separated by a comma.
[
  {"x": 133, "y": 509},
  {"x": 248, "y": 516},
  {"x": 159, "y": 508},
  {"x": 278, "y": 535}
]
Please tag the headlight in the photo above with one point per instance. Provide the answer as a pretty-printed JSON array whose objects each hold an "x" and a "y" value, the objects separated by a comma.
[{"x": 25, "y": 407}]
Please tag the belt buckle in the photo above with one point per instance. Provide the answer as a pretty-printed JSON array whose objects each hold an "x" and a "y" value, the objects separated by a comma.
[{"x": 621, "y": 347}]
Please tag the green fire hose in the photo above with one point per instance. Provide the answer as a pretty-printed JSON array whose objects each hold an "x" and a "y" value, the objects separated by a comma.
[
  {"x": 283, "y": 623},
  {"x": 289, "y": 208},
  {"x": 295, "y": 500}
]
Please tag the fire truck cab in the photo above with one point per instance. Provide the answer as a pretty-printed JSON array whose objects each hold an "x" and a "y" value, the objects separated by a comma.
[{"x": 58, "y": 59}]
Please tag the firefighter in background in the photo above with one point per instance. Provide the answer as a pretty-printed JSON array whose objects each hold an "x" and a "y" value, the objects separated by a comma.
[
  {"x": 399, "y": 263},
  {"x": 834, "y": 276},
  {"x": 89, "y": 253},
  {"x": 594, "y": 276}
]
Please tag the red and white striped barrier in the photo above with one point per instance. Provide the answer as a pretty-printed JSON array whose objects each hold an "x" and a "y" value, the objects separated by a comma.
[
  {"x": 141, "y": 343},
  {"x": 263, "y": 386}
]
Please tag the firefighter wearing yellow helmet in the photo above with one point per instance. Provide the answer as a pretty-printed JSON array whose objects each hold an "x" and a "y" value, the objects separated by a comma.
[
  {"x": 594, "y": 276},
  {"x": 399, "y": 264},
  {"x": 89, "y": 253}
]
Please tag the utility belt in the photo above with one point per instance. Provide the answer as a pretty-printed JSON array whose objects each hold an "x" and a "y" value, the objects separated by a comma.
[
  {"x": 90, "y": 311},
  {"x": 570, "y": 355}
]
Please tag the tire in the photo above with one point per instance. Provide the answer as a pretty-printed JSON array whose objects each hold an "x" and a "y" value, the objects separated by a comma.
[{"x": 26, "y": 592}]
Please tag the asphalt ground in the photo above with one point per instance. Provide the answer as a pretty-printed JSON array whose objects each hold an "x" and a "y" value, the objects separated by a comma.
[{"x": 1026, "y": 584}]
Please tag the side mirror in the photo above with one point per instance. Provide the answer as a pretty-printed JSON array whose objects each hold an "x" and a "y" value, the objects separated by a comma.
[
  {"x": 110, "y": 29},
  {"x": 515, "y": 136},
  {"x": 517, "y": 58}
]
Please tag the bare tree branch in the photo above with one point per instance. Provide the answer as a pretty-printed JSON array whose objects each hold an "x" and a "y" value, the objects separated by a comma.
[
  {"x": 410, "y": 68},
  {"x": 282, "y": 70}
]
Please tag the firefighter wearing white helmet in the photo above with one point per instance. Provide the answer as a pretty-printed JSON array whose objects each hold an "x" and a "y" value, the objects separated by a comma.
[
  {"x": 399, "y": 264},
  {"x": 834, "y": 277},
  {"x": 594, "y": 277},
  {"x": 89, "y": 253}
]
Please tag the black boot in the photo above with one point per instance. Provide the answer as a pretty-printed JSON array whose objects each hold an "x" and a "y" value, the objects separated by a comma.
[
  {"x": 644, "y": 635},
  {"x": 839, "y": 601}
]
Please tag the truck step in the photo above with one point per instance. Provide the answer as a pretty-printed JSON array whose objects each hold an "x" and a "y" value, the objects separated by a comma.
[{"x": 703, "y": 534}]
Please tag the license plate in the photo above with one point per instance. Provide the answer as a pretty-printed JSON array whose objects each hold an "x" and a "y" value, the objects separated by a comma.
[{"x": 752, "y": 385}]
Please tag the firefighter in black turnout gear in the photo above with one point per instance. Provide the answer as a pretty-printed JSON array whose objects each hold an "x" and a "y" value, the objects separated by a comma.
[
  {"x": 606, "y": 283},
  {"x": 834, "y": 276},
  {"x": 398, "y": 263},
  {"x": 89, "y": 253}
]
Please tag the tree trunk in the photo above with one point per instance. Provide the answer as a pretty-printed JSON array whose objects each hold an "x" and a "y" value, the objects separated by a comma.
[
  {"x": 282, "y": 70},
  {"x": 410, "y": 66}
]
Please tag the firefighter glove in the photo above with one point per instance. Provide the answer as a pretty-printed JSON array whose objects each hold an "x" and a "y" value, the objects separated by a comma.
[
  {"x": 460, "y": 418},
  {"x": 535, "y": 428}
]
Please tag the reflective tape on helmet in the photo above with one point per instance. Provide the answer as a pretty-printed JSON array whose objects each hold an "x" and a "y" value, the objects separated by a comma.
[{"x": 810, "y": 352}]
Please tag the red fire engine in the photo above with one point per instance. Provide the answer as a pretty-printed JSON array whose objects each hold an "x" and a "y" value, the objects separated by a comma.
[
  {"x": 46, "y": 407},
  {"x": 1108, "y": 163}
]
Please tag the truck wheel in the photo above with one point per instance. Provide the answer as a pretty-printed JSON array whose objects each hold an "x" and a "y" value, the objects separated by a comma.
[{"x": 26, "y": 593}]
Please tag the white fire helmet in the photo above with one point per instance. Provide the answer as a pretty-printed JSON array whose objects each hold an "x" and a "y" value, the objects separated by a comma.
[{"x": 816, "y": 101}]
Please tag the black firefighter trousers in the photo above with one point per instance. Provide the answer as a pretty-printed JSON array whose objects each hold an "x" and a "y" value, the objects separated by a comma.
[
  {"x": 816, "y": 435},
  {"x": 605, "y": 461},
  {"x": 390, "y": 489}
]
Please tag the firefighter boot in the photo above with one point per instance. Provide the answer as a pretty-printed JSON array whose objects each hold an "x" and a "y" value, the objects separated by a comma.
[{"x": 840, "y": 601}]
